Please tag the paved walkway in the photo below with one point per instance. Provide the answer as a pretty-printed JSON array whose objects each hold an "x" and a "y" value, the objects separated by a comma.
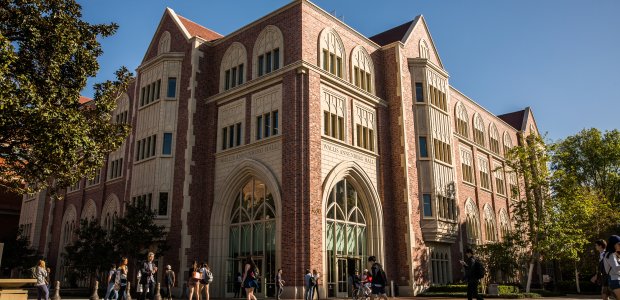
[{"x": 568, "y": 297}]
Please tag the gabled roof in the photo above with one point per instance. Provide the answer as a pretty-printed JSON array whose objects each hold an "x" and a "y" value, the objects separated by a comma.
[
  {"x": 198, "y": 30},
  {"x": 395, "y": 34},
  {"x": 84, "y": 99},
  {"x": 514, "y": 119}
]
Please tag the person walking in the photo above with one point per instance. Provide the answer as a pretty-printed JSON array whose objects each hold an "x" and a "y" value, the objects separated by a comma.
[
  {"x": 472, "y": 274},
  {"x": 316, "y": 276},
  {"x": 207, "y": 277},
  {"x": 250, "y": 274},
  {"x": 193, "y": 281},
  {"x": 309, "y": 283},
  {"x": 279, "y": 284},
  {"x": 121, "y": 274},
  {"x": 601, "y": 277},
  {"x": 612, "y": 264},
  {"x": 378, "y": 280},
  {"x": 111, "y": 292},
  {"x": 41, "y": 276},
  {"x": 170, "y": 280},
  {"x": 148, "y": 277}
]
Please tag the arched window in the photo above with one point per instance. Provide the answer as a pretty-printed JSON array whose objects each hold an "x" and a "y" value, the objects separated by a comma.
[
  {"x": 67, "y": 235},
  {"x": 164, "y": 43},
  {"x": 268, "y": 51},
  {"x": 504, "y": 223},
  {"x": 345, "y": 233},
  {"x": 331, "y": 52},
  {"x": 489, "y": 223},
  {"x": 479, "y": 130},
  {"x": 494, "y": 138},
  {"x": 424, "y": 52},
  {"x": 252, "y": 230},
  {"x": 109, "y": 212},
  {"x": 232, "y": 70},
  {"x": 362, "y": 69},
  {"x": 89, "y": 212},
  {"x": 462, "y": 118},
  {"x": 472, "y": 223},
  {"x": 507, "y": 143}
]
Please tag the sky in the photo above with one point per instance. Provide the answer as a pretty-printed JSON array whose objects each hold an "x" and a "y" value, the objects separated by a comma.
[{"x": 560, "y": 57}]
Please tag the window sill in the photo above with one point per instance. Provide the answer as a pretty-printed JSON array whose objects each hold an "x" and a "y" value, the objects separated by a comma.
[
  {"x": 137, "y": 162},
  {"x": 486, "y": 190},
  {"x": 471, "y": 184},
  {"x": 113, "y": 180},
  {"x": 150, "y": 104},
  {"x": 266, "y": 138}
]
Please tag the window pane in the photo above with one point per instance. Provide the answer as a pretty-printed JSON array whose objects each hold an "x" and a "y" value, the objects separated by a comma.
[
  {"x": 423, "y": 147},
  {"x": 276, "y": 59},
  {"x": 231, "y": 136},
  {"x": 172, "y": 87},
  {"x": 260, "y": 65},
  {"x": 259, "y": 127},
  {"x": 227, "y": 79},
  {"x": 341, "y": 128},
  {"x": 334, "y": 127},
  {"x": 359, "y": 135},
  {"x": 326, "y": 123},
  {"x": 325, "y": 60},
  {"x": 224, "y": 136},
  {"x": 142, "y": 97},
  {"x": 163, "y": 204},
  {"x": 240, "y": 81},
  {"x": 419, "y": 92},
  {"x": 167, "y": 147},
  {"x": 274, "y": 123},
  {"x": 157, "y": 89},
  {"x": 268, "y": 62},
  {"x": 371, "y": 140},
  {"x": 339, "y": 66},
  {"x": 238, "y": 133},
  {"x": 428, "y": 207},
  {"x": 267, "y": 125},
  {"x": 332, "y": 63},
  {"x": 233, "y": 78}
]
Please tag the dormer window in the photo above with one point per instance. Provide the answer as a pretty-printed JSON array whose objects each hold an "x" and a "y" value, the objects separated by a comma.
[
  {"x": 268, "y": 54},
  {"x": 232, "y": 70},
  {"x": 363, "y": 70},
  {"x": 331, "y": 55}
]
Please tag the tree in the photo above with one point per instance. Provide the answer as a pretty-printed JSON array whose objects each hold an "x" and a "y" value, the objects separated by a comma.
[
  {"x": 503, "y": 257},
  {"x": 136, "y": 233},
  {"x": 18, "y": 254},
  {"x": 529, "y": 160},
  {"x": 47, "y": 138},
  {"x": 92, "y": 251}
]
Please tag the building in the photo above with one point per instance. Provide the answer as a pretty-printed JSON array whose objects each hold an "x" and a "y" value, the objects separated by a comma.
[{"x": 303, "y": 143}]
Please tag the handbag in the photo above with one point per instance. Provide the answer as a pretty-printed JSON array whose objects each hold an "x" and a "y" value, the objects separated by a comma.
[{"x": 196, "y": 275}]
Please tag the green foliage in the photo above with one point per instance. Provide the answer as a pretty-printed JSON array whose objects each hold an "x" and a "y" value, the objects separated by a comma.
[
  {"x": 132, "y": 236},
  {"x": 505, "y": 256},
  {"x": 92, "y": 251},
  {"x": 136, "y": 234},
  {"x": 17, "y": 253},
  {"x": 47, "y": 138}
]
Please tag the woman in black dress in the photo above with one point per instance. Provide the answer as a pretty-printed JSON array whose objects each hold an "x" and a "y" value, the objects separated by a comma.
[{"x": 250, "y": 280}]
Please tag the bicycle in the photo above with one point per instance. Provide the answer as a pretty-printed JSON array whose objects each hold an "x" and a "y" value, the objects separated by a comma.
[{"x": 360, "y": 293}]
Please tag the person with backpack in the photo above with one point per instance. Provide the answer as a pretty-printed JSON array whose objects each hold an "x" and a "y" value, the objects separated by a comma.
[
  {"x": 111, "y": 292},
  {"x": 169, "y": 280},
  {"x": 39, "y": 272},
  {"x": 474, "y": 271},
  {"x": 310, "y": 282},
  {"x": 378, "y": 280},
  {"x": 601, "y": 278},
  {"x": 250, "y": 278},
  {"x": 207, "y": 277},
  {"x": 121, "y": 278},
  {"x": 612, "y": 264}
]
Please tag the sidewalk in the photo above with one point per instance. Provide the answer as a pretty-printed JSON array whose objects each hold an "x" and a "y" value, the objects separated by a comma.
[{"x": 568, "y": 297}]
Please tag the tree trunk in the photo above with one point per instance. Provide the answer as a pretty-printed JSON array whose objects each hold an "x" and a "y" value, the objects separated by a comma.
[
  {"x": 577, "y": 279},
  {"x": 530, "y": 273}
]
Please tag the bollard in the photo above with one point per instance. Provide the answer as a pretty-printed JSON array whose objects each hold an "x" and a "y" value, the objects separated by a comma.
[
  {"x": 94, "y": 295},
  {"x": 392, "y": 289},
  {"x": 56, "y": 295},
  {"x": 128, "y": 291},
  {"x": 157, "y": 295}
]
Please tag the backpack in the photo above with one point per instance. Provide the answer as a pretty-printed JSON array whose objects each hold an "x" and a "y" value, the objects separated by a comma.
[
  {"x": 208, "y": 276},
  {"x": 312, "y": 281},
  {"x": 479, "y": 269},
  {"x": 33, "y": 272}
]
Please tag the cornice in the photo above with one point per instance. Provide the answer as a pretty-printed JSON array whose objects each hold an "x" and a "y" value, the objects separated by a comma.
[
  {"x": 178, "y": 56},
  {"x": 425, "y": 62}
]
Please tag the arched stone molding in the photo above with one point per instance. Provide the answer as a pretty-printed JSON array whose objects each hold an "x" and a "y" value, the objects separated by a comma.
[
  {"x": 507, "y": 142},
  {"x": 220, "y": 216},
  {"x": 489, "y": 223},
  {"x": 164, "y": 43},
  {"x": 361, "y": 59},
  {"x": 472, "y": 221},
  {"x": 504, "y": 222},
  {"x": 89, "y": 211},
  {"x": 371, "y": 203},
  {"x": 110, "y": 211},
  {"x": 269, "y": 39},
  {"x": 69, "y": 224},
  {"x": 462, "y": 119},
  {"x": 424, "y": 50},
  {"x": 479, "y": 130},
  {"x": 234, "y": 56},
  {"x": 330, "y": 40}
]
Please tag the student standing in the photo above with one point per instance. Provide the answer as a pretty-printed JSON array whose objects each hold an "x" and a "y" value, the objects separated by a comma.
[
  {"x": 279, "y": 284},
  {"x": 309, "y": 282},
  {"x": 170, "y": 280},
  {"x": 472, "y": 266},
  {"x": 193, "y": 281},
  {"x": 379, "y": 279},
  {"x": 121, "y": 273},
  {"x": 250, "y": 282},
  {"x": 316, "y": 276},
  {"x": 111, "y": 292},
  {"x": 612, "y": 264},
  {"x": 41, "y": 276}
]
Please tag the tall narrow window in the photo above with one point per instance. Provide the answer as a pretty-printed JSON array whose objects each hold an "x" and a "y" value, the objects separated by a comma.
[
  {"x": 268, "y": 61},
  {"x": 167, "y": 145},
  {"x": 259, "y": 127},
  {"x": 238, "y": 128},
  {"x": 157, "y": 88},
  {"x": 274, "y": 122},
  {"x": 419, "y": 92},
  {"x": 267, "y": 125},
  {"x": 423, "y": 147},
  {"x": 428, "y": 205},
  {"x": 227, "y": 79},
  {"x": 240, "y": 80},
  {"x": 224, "y": 138},
  {"x": 231, "y": 136},
  {"x": 233, "y": 80},
  {"x": 163, "y": 204},
  {"x": 260, "y": 65},
  {"x": 172, "y": 87},
  {"x": 276, "y": 59}
]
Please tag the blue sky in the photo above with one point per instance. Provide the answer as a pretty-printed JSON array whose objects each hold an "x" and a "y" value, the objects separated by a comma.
[{"x": 561, "y": 57}]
